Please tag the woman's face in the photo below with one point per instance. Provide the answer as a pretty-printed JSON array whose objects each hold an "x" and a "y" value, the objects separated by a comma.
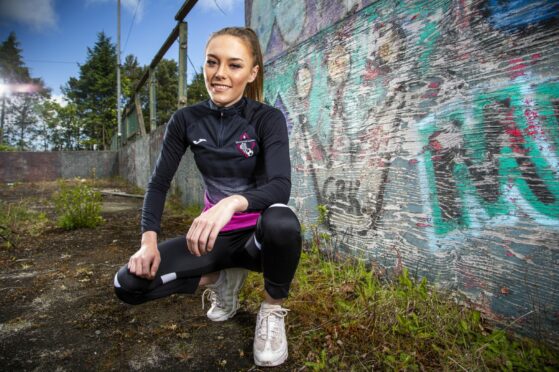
[{"x": 228, "y": 69}]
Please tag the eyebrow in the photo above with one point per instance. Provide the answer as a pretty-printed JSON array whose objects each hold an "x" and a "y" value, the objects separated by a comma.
[{"x": 230, "y": 59}]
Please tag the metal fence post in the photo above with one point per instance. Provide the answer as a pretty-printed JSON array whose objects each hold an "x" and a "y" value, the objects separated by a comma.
[
  {"x": 152, "y": 101},
  {"x": 183, "y": 49}
]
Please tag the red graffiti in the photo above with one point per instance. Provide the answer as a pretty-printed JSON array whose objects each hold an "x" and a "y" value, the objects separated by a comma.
[{"x": 518, "y": 68}]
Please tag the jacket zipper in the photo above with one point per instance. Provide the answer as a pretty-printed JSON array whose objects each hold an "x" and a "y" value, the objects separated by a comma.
[{"x": 219, "y": 138}]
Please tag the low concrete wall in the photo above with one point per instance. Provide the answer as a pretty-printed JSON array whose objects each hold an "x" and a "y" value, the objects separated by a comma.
[
  {"x": 47, "y": 166},
  {"x": 136, "y": 162}
]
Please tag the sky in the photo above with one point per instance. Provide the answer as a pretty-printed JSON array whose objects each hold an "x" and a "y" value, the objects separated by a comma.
[{"x": 54, "y": 34}]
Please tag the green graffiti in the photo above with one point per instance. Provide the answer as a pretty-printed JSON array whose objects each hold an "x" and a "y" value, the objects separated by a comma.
[
  {"x": 427, "y": 41},
  {"x": 547, "y": 100},
  {"x": 488, "y": 158}
]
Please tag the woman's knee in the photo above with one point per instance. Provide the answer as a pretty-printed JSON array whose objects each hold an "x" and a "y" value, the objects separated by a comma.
[
  {"x": 129, "y": 287},
  {"x": 280, "y": 221}
]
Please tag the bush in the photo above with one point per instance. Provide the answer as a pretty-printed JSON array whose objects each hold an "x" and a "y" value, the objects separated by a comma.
[{"x": 78, "y": 206}]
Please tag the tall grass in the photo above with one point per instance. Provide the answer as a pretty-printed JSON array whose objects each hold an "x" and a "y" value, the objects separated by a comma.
[{"x": 346, "y": 317}]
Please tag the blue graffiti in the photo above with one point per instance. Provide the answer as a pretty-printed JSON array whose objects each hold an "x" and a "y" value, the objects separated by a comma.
[{"x": 512, "y": 14}]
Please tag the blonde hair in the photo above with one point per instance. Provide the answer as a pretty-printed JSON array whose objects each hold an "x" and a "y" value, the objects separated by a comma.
[{"x": 254, "y": 90}]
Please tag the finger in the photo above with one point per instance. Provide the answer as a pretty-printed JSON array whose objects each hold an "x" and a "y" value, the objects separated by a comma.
[
  {"x": 211, "y": 239},
  {"x": 190, "y": 238},
  {"x": 132, "y": 266},
  {"x": 206, "y": 235},
  {"x": 193, "y": 245},
  {"x": 140, "y": 268},
  {"x": 155, "y": 266},
  {"x": 203, "y": 238}
]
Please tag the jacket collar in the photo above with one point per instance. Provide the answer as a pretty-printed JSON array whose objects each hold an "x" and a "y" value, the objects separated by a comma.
[{"x": 227, "y": 111}]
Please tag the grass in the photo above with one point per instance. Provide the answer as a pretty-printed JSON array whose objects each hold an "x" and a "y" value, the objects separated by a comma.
[
  {"x": 346, "y": 316},
  {"x": 18, "y": 219}
]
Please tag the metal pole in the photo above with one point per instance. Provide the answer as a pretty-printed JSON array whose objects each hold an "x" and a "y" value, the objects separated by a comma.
[
  {"x": 3, "y": 117},
  {"x": 152, "y": 100},
  {"x": 118, "y": 109},
  {"x": 183, "y": 43}
]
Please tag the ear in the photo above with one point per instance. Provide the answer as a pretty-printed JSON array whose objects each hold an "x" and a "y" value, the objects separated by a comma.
[{"x": 253, "y": 73}]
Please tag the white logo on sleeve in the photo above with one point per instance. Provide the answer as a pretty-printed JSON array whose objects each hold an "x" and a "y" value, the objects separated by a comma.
[{"x": 199, "y": 141}]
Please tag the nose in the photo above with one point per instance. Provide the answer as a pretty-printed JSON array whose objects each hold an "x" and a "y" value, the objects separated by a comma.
[{"x": 220, "y": 73}]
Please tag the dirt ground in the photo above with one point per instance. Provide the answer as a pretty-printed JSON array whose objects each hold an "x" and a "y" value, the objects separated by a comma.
[{"x": 59, "y": 312}]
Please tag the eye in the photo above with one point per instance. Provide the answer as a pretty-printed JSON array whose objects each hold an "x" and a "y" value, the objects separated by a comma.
[
  {"x": 211, "y": 62},
  {"x": 236, "y": 66}
]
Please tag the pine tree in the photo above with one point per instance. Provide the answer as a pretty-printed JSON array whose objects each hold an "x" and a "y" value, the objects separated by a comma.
[
  {"x": 21, "y": 97},
  {"x": 94, "y": 92},
  {"x": 167, "y": 76}
]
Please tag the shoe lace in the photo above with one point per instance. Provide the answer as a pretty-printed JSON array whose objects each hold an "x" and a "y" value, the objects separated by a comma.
[
  {"x": 269, "y": 322},
  {"x": 210, "y": 295}
]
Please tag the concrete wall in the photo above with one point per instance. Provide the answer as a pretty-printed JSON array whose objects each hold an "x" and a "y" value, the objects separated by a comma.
[
  {"x": 430, "y": 130},
  {"x": 137, "y": 160},
  {"x": 47, "y": 166}
]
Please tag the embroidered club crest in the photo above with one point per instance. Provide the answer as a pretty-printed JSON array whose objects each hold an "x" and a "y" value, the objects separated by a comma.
[{"x": 245, "y": 145}]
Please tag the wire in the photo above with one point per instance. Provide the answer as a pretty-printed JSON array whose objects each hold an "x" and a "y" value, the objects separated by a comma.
[
  {"x": 131, "y": 25},
  {"x": 192, "y": 64},
  {"x": 47, "y": 61},
  {"x": 216, "y": 4}
]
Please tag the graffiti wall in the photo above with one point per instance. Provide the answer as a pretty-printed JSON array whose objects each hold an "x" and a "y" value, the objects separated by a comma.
[{"x": 430, "y": 130}]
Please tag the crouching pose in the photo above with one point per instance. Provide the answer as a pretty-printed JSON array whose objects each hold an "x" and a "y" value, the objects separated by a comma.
[{"x": 241, "y": 148}]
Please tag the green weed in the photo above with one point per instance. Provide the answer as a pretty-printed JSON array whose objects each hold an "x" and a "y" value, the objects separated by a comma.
[
  {"x": 17, "y": 219},
  {"x": 345, "y": 315},
  {"x": 77, "y": 206}
]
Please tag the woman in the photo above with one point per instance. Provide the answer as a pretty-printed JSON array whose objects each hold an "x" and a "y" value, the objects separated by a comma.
[{"x": 241, "y": 148}]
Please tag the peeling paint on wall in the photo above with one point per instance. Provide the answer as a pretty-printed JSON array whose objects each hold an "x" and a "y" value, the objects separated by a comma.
[{"x": 430, "y": 130}]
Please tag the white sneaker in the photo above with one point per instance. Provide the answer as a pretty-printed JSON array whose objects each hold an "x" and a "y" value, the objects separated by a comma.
[
  {"x": 270, "y": 341},
  {"x": 224, "y": 294}
]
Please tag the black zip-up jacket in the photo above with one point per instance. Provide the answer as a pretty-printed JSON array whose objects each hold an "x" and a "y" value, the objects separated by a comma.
[{"x": 242, "y": 149}]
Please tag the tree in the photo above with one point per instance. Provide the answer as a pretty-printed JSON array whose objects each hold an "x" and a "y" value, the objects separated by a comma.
[
  {"x": 197, "y": 89},
  {"x": 94, "y": 92},
  {"x": 62, "y": 125},
  {"x": 21, "y": 96},
  {"x": 167, "y": 76},
  {"x": 131, "y": 73}
]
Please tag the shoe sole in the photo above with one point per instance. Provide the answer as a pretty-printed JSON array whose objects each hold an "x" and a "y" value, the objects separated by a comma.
[
  {"x": 223, "y": 318},
  {"x": 272, "y": 363}
]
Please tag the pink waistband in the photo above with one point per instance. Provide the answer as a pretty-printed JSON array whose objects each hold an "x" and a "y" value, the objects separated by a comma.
[{"x": 240, "y": 220}]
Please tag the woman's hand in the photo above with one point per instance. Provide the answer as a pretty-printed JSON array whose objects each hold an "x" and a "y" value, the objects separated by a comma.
[
  {"x": 203, "y": 232},
  {"x": 145, "y": 262}
]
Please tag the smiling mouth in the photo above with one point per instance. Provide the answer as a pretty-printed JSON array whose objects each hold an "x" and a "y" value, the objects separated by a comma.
[{"x": 220, "y": 87}]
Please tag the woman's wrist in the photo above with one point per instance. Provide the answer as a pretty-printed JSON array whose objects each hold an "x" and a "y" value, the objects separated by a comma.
[
  {"x": 149, "y": 237},
  {"x": 239, "y": 203}
]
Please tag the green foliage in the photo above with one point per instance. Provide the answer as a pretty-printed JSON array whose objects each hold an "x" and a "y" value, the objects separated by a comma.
[
  {"x": 94, "y": 92},
  {"x": 167, "y": 76},
  {"x": 17, "y": 219},
  {"x": 347, "y": 314},
  {"x": 197, "y": 91},
  {"x": 77, "y": 206},
  {"x": 4, "y": 147},
  {"x": 20, "y": 125},
  {"x": 64, "y": 129}
]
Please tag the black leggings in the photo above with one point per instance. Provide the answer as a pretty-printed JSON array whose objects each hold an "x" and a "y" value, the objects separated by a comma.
[{"x": 273, "y": 247}]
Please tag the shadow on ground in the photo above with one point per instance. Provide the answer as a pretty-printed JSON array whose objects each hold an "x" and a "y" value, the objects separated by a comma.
[{"x": 59, "y": 312}]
